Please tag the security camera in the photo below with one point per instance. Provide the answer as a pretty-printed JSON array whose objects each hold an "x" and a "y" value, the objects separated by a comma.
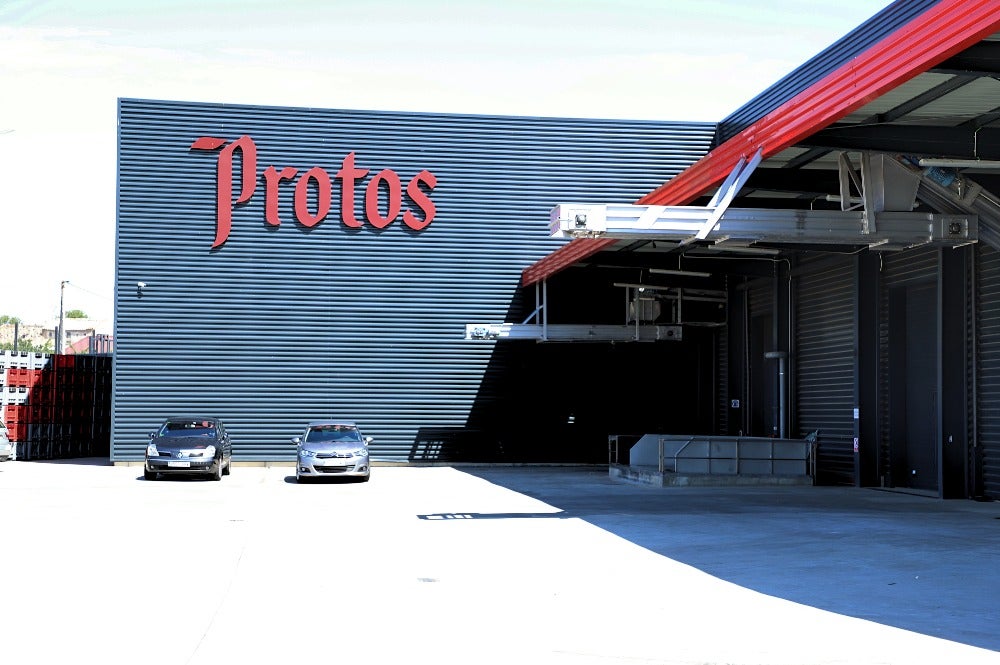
[{"x": 141, "y": 285}]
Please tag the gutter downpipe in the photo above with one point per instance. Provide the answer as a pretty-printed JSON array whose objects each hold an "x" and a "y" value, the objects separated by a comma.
[{"x": 781, "y": 356}]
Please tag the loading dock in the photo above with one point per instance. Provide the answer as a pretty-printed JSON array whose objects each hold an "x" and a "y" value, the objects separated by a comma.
[{"x": 885, "y": 334}]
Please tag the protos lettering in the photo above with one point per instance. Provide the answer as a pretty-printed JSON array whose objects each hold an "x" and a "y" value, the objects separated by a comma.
[{"x": 418, "y": 190}]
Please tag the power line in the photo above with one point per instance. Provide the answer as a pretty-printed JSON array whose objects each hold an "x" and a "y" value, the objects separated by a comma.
[{"x": 80, "y": 288}]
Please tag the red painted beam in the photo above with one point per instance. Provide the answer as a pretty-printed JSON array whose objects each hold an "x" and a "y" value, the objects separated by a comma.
[{"x": 942, "y": 31}]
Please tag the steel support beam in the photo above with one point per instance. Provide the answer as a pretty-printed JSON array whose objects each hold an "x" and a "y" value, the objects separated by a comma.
[
  {"x": 727, "y": 192},
  {"x": 982, "y": 59},
  {"x": 573, "y": 333},
  {"x": 892, "y": 230},
  {"x": 952, "y": 192},
  {"x": 956, "y": 142}
]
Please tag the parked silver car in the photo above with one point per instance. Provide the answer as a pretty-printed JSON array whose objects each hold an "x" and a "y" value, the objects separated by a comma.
[
  {"x": 332, "y": 448},
  {"x": 189, "y": 445}
]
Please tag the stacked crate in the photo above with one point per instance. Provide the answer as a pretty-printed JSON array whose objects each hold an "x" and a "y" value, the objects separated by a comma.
[
  {"x": 57, "y": 406},
  {"x": 19, "y": 371}
]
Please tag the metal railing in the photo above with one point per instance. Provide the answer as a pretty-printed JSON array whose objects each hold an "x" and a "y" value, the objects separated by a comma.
[
  {"x": 718, "y": 455},
  {"x": 618, "y": 442}
]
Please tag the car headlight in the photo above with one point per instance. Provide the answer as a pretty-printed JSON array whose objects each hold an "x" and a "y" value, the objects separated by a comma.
[
  {"x": 209, "y": 451},
  {"x": 151, "y": 450},
  {"x": 305, "y": 452},
  {"x": 360, "y": 452}
]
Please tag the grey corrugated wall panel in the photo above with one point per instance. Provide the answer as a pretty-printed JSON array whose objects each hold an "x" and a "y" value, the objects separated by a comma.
[
  {"x": 824, "y": 362},
  {"x": 829, "y": 59},
  {"x": 988, "y": 370},
  {"x": 760, "y": 376},
  {"x": 722, "y": 389},
  {"x": 761, "y": 294},
  {"x": 282, "y": 325}
]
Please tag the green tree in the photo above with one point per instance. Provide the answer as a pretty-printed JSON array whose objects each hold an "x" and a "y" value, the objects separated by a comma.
[
  {"x": 6, "y": 319},
  {"x": 76, "y": 314},
  {"x": 28, "y": 347}
]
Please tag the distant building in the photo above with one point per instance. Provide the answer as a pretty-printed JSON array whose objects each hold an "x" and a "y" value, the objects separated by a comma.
[
  {"x": 82, "y": 335},
  {"x": 27, "y": 334},
  {"x": 93, "y": 345},
  {"x": 76, "y": 331}
]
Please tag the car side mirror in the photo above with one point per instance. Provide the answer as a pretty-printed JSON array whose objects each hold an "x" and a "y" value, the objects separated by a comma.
[
  {"x": 152, "y": 435},
  {"x": 368, "y": 440},
  {"x": 296, "y": 440}
]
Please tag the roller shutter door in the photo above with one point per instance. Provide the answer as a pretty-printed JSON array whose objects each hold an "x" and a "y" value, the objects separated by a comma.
[
  {"x": 760, "y": 378},
  {"x": 722, "y": 381},
  {"x": 824, "y": 362},
  {"x": 988, "y": 371},
  {"x": 898, "y": 269}
]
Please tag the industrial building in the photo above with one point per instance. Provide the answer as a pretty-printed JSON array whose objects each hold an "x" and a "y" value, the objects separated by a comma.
[{"x": 822, "y": 262}]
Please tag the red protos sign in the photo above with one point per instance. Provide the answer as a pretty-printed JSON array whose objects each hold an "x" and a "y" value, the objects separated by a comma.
[{"x": 418, "y": 189}]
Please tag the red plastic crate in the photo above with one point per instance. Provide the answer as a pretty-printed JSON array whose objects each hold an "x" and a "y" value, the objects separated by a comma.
[
  {"x": 64, "y": 361},
  {"x": 14, "y": 377},
  {"x": 22, "y": 378},
  {"x": 33, "y": 376},
  {"x": 15, "y": 430}
]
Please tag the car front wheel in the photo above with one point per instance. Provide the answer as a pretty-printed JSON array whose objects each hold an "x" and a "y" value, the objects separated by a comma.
[
  {"x": 217, "y": 474},
  {"x": 149, "y": 475}
]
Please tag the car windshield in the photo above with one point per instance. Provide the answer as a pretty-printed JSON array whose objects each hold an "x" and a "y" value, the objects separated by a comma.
[
  {"x": 333, "y": 433},
  {"x": 204, "y": 428}
]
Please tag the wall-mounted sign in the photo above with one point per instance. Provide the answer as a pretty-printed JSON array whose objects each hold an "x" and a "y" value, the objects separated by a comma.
[{"x": 276, "y": 179}]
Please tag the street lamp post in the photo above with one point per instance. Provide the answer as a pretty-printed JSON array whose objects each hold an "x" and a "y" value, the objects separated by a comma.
[{"x": 61, "y": 335}]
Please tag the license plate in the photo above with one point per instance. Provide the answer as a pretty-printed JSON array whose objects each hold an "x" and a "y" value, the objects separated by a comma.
[
  {"x": 180, "y": 465},
  {"x": 332, "y": 462}
]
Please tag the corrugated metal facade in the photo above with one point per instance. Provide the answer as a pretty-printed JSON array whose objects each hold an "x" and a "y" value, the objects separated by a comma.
[
  {"x": 825, "y": 362},
  {"x": 760, "y": 376},
  {"x": 986, "y": 458},
  {"x": 722, "y": 388},
  {"x": 760, "y": 294},
  {"x": 971, "y": 484},
  {"x": 282, "y": 324},
  {"x": 864, "y": 36}
]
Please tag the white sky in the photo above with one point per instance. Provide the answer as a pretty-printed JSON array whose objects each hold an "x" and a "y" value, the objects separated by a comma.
[{"x": 66, "y": 62}]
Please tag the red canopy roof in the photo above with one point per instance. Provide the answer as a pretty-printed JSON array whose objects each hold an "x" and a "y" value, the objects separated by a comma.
[{"x": 942, "y": 31}]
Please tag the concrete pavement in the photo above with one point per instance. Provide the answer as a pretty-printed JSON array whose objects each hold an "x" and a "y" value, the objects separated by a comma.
[{"x": 483, "y": 565}]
